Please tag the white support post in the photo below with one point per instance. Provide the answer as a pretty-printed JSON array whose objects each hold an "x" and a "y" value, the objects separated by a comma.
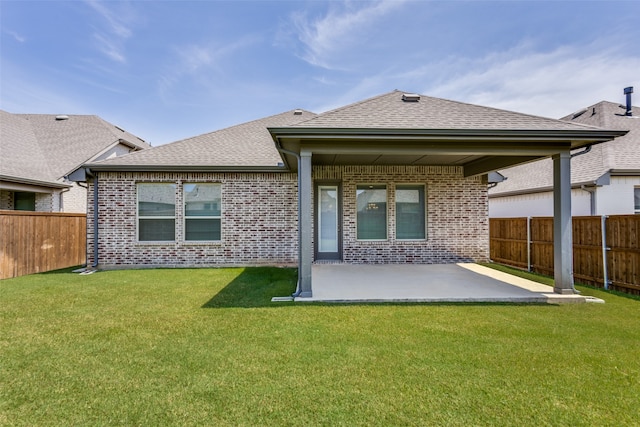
[{"x": 562, "y": 225}]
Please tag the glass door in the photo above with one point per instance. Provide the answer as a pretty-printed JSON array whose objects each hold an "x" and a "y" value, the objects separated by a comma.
[{"x": 328, "y": 222}]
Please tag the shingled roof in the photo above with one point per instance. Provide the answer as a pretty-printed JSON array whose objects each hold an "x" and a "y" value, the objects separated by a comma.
[
  {"x": 44, "y": 147},
  {"x": 250, "y": 146},
  {"x": 244, "y": 145},
  {"x": 396, "y": 110},
  {"x": 621, "y": 155}
]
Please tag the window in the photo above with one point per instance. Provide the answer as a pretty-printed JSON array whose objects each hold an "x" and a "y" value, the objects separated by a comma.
[
  {"x": 371, "y": 218},
  {"x": 410, "y": 212},
  {"x": 202, "y": 211},
  {"x": 156, "y": 212},
  {"x": 24, "y": 201},
  {"x": 636, "y": 197}
]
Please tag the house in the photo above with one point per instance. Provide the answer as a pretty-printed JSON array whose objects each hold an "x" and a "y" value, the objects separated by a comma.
[
  {"x": 605, "y": 180},
  {"x": 40, "y": 150},
  {"x": 397, "y": 178}
]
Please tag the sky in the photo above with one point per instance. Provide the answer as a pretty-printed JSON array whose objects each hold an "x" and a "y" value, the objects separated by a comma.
[{"x": 169, "y": 70}]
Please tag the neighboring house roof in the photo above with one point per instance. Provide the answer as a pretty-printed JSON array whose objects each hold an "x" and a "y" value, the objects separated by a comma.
[
  {"x": 21, "y": 157},
  {"x": 619, "y": 156},
  {"x": 44, "y": 147},
  {"x": 247, "y": 145}
]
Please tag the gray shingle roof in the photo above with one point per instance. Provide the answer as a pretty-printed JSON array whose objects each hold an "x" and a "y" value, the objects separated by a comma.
[
  {"x": 622, "y": 153},
  {"x": 39, "y": 147},
  {"x": 390, "y": 111},
  {"x": 247, "y": 145},
  {"x": 20, "y": 153}
]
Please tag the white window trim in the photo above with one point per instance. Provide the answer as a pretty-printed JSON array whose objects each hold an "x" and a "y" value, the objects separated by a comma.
[
  {"x": 185, "y": 217},
  {"x": 138, "y": 217}
]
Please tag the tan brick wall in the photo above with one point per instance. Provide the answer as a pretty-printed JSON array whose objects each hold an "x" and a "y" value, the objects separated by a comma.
[
  {"x": 259, "y": 218},
  {"x": 259, "y": 222},
  {"x": 457, "y": 222},
  {"x": 6, "y": 200}
]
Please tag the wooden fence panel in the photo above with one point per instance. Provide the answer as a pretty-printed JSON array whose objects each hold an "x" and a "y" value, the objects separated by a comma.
[
  {"x": 587, "y": 250},
  {"x": 623, "y": 235},
  {"x": 542, "y": 245},
  {"x": 35, "y": 242},
  {"x": 509, "y": 241},
  {"x": 622, "y": 242}
]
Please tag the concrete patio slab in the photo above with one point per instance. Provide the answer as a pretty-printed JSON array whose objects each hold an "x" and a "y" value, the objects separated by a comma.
[{"x": 427, "y": 283}]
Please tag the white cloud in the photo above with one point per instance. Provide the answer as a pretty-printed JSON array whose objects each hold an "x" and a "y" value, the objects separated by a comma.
[
  {"x": 110, "y": 40},
  {"x": 551, "y": 84},
  {"x": 17, "y": 37},
  {"x": 196, "y": 68},
  {"x": 324, "y": 39}
]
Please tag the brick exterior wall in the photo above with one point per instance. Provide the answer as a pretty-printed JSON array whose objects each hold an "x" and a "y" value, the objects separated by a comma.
[
  {"x": 6, "y": 200},
  {"x": 259, "y": 222},
  {"x": 74, "y": 200},
  {"x": 259, "y": 218},
  {"x": 457, "y": 215}
]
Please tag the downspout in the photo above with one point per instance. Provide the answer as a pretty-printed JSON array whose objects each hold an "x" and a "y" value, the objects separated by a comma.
[
  {"x": 60, "y": 199},
  {"x": 95, "y": 218},
  {"x": 297, "y": 156},
  {"x": 592, "y": 197}
]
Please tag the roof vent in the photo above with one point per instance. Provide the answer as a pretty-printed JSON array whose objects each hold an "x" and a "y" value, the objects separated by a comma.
[
  {"x": 579, "y": 113},
  {"x": 410, "y": 97},
  {"x": 62, "y": 117},
  {"x": 297, "y": 112},
  {"x": 628, "y": 91}
]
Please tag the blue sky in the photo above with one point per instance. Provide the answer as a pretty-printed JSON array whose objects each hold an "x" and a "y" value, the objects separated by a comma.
[{"x": 167, "y": 70}]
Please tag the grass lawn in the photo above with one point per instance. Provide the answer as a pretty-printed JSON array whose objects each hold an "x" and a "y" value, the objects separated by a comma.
[{"x": 207, "y": 347}]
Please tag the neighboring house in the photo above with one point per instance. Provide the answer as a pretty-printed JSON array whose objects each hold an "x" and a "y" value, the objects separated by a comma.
[
  {"x": 398, "y": 178},
  {"x": 38, "y": 152},
  {"x": 604, "y": 181}
]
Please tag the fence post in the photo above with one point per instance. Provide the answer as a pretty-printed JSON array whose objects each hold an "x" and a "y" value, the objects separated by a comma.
[
  {"x": 605, "y": 272},
  {"x": 529, "y": 244}
]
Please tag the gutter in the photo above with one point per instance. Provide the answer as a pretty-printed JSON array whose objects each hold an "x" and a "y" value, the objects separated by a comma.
[
  {"x": 183, "y": 168},
  {"x": 297, "y": 156},
  {"x": 27, "y": 181}
]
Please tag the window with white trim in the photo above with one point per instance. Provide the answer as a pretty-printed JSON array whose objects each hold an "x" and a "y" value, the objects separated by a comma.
[
  {"x": 410, "y": 212},
  {"x": 202, "y": 212},
  {"x": 371, "y": 219},
  {"x": 636, "y": 198},
  {"x": 156, "y": 212}
]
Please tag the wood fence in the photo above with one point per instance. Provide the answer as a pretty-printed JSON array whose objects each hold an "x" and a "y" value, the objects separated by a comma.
[
  {"x": 35, "y": 242},
  {"x": 527, "y": 243}
]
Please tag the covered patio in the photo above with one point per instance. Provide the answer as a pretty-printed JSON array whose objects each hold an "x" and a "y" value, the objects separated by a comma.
[
  {"x": 439, "y": 283},
  {"x": 411, "y": 131}
]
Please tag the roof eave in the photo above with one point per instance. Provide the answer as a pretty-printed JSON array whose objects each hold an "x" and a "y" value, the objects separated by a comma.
[
  {"x": 571, "y": 134},
  {"x": 27, "y": 181}
]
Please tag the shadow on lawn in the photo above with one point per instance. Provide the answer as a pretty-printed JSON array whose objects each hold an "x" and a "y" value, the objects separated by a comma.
[{"x": 255, "y": 287}]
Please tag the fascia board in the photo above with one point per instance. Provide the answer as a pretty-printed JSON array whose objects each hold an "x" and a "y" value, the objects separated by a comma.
[
  {"x": 559, "y": 134},
  {"x": 34, "y": 182},
  {"x": 182, "y": 168}
]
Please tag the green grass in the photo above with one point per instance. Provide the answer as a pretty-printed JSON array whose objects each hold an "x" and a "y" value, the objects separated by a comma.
[{"x": 207, "y": 347}]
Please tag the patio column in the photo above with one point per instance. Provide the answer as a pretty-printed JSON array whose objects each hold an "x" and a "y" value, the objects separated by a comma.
[
  {"x": 562, "y": 225},
  {"x": 306, "y": 223}
]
